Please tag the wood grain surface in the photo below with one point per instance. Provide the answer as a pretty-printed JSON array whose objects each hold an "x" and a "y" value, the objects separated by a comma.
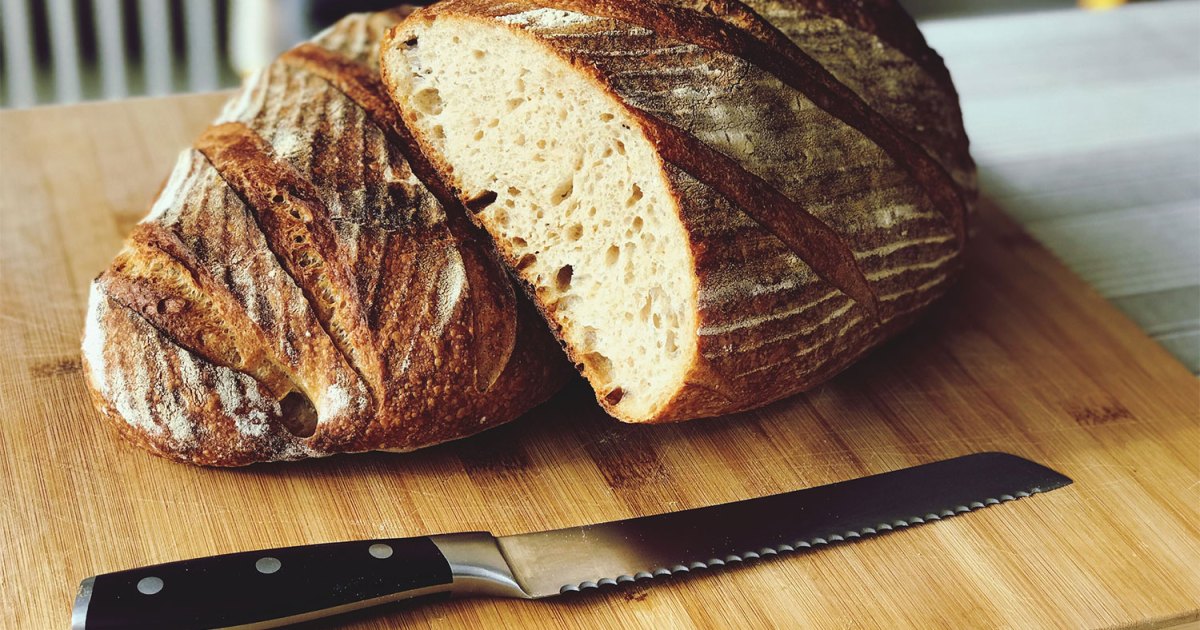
[{"x": 1021, "y": 357}]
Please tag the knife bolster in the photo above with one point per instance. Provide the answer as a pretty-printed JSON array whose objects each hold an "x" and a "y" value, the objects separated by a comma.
[{"x": 477, "y": 566}]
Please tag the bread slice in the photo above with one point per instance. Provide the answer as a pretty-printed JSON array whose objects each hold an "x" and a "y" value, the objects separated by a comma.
[
  {"x": 305, "y": 284},
  {"x": 713, "y": 208}
]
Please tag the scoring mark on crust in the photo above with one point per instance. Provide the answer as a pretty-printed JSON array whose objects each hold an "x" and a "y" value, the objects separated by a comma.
[{"x": 757, "y": 41}]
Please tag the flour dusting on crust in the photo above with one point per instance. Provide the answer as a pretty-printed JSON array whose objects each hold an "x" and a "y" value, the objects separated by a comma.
[
  {"x": 334, "y": 402},
  {"x": 451, "y": 282},
  {"x": 94, "y": 338},
  {"x": 547, "y": 18}
]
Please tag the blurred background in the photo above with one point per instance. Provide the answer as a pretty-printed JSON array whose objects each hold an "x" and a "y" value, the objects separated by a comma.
[{"x": 66, "y": 51}]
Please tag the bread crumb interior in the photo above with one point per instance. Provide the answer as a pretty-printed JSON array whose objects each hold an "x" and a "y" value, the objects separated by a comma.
[{"x": 572, "y": 192}]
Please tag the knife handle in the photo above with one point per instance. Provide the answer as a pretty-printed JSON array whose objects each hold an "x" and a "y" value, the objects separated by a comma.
[{"x": 274, "y": 587}]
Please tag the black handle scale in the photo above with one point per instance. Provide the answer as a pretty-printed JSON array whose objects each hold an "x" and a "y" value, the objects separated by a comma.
[{"x": 283, "y": 585}]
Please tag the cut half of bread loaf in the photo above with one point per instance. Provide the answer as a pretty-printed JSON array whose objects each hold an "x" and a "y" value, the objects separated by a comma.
[
  {"x": 305, "y": 284},
  {"x": 715, "y": 204}
]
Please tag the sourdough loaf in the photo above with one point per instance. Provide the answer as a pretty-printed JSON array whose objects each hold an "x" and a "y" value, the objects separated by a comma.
[
  {"x": 715, "y": 204},
  {"x": 305, "y": 285}
]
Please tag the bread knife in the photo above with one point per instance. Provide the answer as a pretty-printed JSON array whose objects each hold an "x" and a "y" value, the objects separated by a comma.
[{"x": 276, "y": 587}]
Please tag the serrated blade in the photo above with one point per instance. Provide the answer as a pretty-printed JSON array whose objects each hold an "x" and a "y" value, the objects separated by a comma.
[{"x": 553, "y": 562}]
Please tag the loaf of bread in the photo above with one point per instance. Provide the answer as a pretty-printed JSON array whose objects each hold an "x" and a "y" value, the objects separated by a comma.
[
  {"x": 715, "y": 204},
  {"x": 305, "y": 284}
]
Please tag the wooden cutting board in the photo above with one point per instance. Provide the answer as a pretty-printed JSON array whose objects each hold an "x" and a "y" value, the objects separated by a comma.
[{"x": 1021, "y": 357}]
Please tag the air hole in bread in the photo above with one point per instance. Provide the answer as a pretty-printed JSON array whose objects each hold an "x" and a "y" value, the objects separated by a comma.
[
  {"x": 562, "y": 192},
  {"x": 562, "y": 279},
  {"x": 612, "y": 255},
  {"x": 428, "y": 101},
  {"x": 299, "y": 416},
  {"x": 635, "y": 195},
  {"x": 600, "y": 364}
]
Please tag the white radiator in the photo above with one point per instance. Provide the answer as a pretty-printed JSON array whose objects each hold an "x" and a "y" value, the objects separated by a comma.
[{"x": 132, "y": 49}]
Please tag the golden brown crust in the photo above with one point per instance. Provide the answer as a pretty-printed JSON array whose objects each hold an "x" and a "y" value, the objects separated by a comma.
[
  {"x": 918, "y": 91},
  {"x": 770, "y": 321},
  {"x": 494, "y": 309},
  {"x": 156, "y": 277},
  {"x": 888, "y": 21},
  {"x": 170, "y": 401},
  {"x": 752, "y": 38},
  {"x": 295, "y": 260},
  {"x": 299, "y": 232},
  {"x": 808, "y": 238}
]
